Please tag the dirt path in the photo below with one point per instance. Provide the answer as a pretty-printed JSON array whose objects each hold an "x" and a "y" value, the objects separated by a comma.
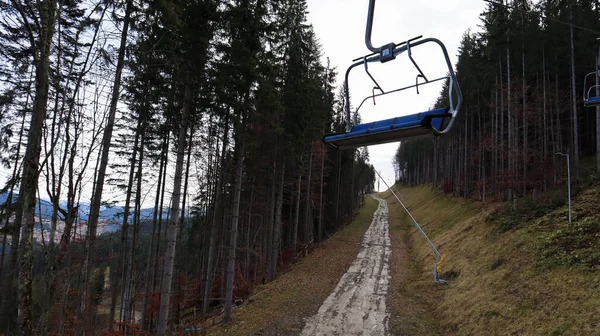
[{"x": 357, "y": 305}]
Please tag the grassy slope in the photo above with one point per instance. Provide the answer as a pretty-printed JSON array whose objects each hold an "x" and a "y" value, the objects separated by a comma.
[
  {"x": 281, "y": 306},
  {"x": 501, "y": 282}
]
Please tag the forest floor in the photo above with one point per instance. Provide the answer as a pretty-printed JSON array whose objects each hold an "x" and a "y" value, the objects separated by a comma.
[
  {"x": 281, "y": 307},
  {"x": 510, "y": 272}
]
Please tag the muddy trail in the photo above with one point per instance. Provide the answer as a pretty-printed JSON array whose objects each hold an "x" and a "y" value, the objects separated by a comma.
[{"x": 357, "y": 305}]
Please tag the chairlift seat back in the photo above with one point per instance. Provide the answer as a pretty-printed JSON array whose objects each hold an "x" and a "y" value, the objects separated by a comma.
[{"x": 390, "y": 130}]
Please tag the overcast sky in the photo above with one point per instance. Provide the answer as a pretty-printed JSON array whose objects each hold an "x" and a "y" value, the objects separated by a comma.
[{"x": 340, "y": 27}]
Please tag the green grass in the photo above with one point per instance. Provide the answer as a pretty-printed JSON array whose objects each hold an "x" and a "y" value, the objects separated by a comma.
[
  {"x": 576, "y": 244},
  {"x": 498, "y": 286}
]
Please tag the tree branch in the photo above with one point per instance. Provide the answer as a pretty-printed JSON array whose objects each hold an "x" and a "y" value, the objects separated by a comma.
[{"x": 17, "y": 5}]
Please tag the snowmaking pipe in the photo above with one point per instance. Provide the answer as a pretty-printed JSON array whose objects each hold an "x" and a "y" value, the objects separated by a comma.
[{"x": 438, "y": 256}]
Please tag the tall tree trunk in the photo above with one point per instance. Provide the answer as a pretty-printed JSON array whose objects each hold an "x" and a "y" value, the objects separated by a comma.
[
  {"x": 249, "y": 226},
  {"x": 156, "y": 262},
  {"x": 525, "y": 140},
  {"x": 511, "y": 167},
  {"x": 169, "y": 259},
  {"x": 496, "y": 137},
  {"x": 545, "y": 125},
  {"x": 277, "y": 224},
  {"x": 297, "y": 212},
  {"x": 559, "y": 146},
  {"x": 29, "y": 178},
  {"x": 53, "y": 186},
  {"x": 117, "y": 277},
  {"x": 575, "y": 137},
  {"x": 320, "y": 226},
  {"x": 149, "y": 264},
  {"x": 239, "y": 169},
  {"x": 88, "y": 310},
  {"x": 214, "y": 225},
  {"x": 128, "y": 298},
  {"x": 176, "y": 306},
  {"x": 503, "y": 148},
  {"x": 308, "y": 224},
  {"x": 271, "y": 224}
]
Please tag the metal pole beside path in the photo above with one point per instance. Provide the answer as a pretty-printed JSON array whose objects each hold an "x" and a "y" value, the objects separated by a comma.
[
  {"x": 568, "y": 180},
  {"x": 436, "y": 278}
]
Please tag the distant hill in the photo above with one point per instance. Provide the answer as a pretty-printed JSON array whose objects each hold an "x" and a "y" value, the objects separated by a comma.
[{"x": 111, "y": 216}]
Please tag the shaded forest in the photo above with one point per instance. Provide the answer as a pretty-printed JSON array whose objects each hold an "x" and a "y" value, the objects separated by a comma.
[
  {"x": 522, "y": 78},
  {"x": 210, "y": 111}
]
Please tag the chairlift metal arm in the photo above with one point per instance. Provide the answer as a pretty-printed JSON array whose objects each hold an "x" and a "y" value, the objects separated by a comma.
[
  {"x": 414, "y": 62},
  {"x": 374, "y": 58},
  {"x": 370, "y": 15},
  {"x": 369, "y": 73}
]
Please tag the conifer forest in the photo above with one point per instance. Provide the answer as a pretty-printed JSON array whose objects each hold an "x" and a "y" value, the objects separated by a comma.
[
  {"x": 215, "y": 108},
  {"x": 198, "y": 126},
  {"x": 523, "y": 82}
]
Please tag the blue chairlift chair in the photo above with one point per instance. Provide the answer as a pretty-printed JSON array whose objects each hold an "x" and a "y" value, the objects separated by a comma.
[
  {"x": 428, "y": 123},
  {"x": 590, "y": 98}
]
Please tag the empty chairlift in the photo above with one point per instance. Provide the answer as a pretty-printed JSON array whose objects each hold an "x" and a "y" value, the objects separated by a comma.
[
  {"x": 427, "y": 123},
  {"x": 590, "y": 98}
]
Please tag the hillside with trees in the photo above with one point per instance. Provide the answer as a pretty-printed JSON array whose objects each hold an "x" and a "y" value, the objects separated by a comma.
[
  {"x": 523, "y": 88},
  {"x": 212, "y": 110}
]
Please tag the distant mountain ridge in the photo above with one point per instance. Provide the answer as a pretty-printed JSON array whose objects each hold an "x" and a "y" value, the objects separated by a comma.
[{"x": 111, "y": 216}]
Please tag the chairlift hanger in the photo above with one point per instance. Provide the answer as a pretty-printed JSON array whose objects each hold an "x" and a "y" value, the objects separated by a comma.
[
  {"x": 435, "y": 122},
  {"x": 588, "y": 99}
]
